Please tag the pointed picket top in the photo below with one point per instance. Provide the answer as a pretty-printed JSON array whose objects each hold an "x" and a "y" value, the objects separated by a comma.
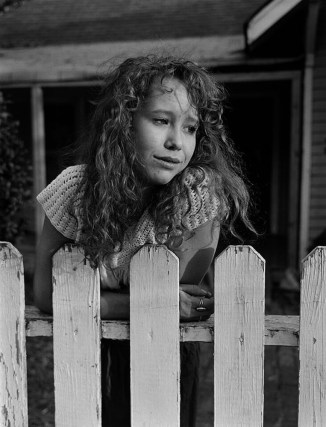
[
  {"x": 242, "y": 249},
  {"x": 320, "y": 252},
  {"x": 8, "y": 251}
]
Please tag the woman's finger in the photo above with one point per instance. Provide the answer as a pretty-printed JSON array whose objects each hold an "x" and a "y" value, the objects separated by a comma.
[
  {"x": 195, "y": 291},
  {"x": 203, "y": 306},
  {"x": 189, "y": 306}
]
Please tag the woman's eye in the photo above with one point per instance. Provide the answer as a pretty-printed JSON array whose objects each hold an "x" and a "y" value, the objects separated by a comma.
[
  {"x": 191, "y": 129},
  {"x": 160, "y": 121}
]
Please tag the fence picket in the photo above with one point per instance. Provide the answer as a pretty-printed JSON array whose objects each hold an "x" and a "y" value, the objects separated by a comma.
[
  {"x": 154, "y": 338},
  {"x": 76, "y": 340},
  {"x": 239, "y": 337},
  {"x": 13, "y": 374},
  {"x": 312, "y": 374}
]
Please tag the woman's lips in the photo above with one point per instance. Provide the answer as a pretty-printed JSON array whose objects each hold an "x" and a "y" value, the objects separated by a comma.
[
  {"x": 168, "y": 159},
  {"x": 169, "y": 163}
]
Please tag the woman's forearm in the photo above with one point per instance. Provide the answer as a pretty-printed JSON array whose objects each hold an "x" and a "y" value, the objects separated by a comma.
[
  {"x": 43, "y": 284},
  {"x": 115, "y": 306}
]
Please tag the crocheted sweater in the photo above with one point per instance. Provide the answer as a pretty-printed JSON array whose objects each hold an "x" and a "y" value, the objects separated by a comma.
[{"x": 61, "y": 203}]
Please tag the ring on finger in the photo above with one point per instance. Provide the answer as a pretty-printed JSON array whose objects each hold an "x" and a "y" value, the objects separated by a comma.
[{"x": 201, "y": 305}]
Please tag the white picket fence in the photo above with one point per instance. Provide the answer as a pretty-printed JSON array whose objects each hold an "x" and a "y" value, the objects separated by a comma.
[{"x": 239, "y": 330}]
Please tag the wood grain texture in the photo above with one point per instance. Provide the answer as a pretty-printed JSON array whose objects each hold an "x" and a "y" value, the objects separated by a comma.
[
  {"x": 312, "y": 350},
  {"x": 154, "y": 338},
  {"x": 76, "y": 340},
  {"x": 282, "y": 330},
  {"x": 13, "y": 374},
  {"x": 239, "y": 337}
]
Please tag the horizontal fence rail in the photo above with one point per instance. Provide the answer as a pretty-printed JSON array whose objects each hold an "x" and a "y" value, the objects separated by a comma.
[
  {"x": 239, "y": 330},
  {"x": 279, "y": 329}
]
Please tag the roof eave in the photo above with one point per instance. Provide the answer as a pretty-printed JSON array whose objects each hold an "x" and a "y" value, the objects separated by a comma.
[
  {"x": 265, "y": 18},
  {"x": 89, "y": 61}
]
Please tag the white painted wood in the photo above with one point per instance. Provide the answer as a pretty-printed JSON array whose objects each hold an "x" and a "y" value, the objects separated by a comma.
[
  {"x": 76, "y": 340},
  {"x": 272, "y": 12},
  {"x": 13, "y": 374},
  {"x": 154, "y": 338},
  {"x": 239, "y": 337},
  {"x": 312, "y": 375},
  {"x": 38, "y": 323},
  {"x": 282, "y": 330}
]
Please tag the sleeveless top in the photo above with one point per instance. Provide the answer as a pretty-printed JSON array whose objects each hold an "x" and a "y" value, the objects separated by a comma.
[{"x": 61, "y": 203}]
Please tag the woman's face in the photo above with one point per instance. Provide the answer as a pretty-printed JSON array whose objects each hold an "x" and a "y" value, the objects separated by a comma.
[{"x": 165, "y": 128}]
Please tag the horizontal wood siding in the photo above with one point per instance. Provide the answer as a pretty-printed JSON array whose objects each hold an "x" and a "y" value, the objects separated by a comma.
[{"x": 317, "y": 221}]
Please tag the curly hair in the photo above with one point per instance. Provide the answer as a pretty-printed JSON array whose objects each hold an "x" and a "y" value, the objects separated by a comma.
[{"x": 111, "y": 185}]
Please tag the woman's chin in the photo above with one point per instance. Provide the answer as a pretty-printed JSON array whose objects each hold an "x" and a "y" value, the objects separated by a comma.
[{"x": 160, "y": 179}]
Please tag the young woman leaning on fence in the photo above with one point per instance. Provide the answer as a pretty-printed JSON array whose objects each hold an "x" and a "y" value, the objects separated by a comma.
[{"x": 157, "y": 168}]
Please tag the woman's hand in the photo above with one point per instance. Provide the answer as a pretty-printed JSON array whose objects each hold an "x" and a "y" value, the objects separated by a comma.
[{"x": 192, "y": 297}]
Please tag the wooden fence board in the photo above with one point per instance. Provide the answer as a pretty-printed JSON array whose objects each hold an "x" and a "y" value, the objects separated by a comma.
[
  {"x": 239, "y": 337},
  {"x": 312, "y": 349},
  {"x": 154, "y": 338},
  {"x": 76, "y": 340},
  {"x": 13, "y": 374}
]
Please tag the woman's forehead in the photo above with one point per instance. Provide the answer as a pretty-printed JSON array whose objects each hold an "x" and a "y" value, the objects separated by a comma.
[{"x": 170, "y": 91}]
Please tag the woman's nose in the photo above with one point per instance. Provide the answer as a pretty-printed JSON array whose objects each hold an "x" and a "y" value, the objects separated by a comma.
[{"x": 174, "y": 139}]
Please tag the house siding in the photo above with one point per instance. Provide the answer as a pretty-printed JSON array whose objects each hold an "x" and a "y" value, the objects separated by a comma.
[{"x": 317, "y": 221}]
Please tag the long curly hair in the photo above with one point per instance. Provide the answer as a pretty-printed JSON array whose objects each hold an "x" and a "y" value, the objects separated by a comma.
[{"x": 111, "y": 186}]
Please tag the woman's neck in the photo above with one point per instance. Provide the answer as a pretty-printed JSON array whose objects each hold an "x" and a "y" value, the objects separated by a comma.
[{"x": 147, "y": 195}]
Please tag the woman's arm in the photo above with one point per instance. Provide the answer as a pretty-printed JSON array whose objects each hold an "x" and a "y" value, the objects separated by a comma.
[
  {"x": 50, "y": 241},
  {"x": 113, "y": 305},
  {"x": 196, "y": 255},
  {"x": 197, "y": 252}
]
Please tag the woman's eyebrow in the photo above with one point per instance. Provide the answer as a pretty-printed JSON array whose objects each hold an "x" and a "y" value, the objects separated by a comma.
[{"x": 190, "y": 116}]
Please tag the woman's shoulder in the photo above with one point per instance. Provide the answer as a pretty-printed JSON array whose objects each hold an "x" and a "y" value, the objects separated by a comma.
[
  {"x": 64, "y": 187},
  {"x": 60, "y": 201},
  {"x": 71, "y": 176}
]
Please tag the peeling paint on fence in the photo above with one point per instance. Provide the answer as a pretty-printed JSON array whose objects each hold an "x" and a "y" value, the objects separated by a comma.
[
  {"x": 76, "y": 340},
  {"x": 13, "y": 374}
]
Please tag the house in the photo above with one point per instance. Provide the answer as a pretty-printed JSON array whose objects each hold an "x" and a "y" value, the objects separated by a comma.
[{"x": 271, "y": 57}]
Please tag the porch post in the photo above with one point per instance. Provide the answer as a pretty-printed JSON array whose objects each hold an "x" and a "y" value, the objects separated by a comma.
[
  {"x": 293, "y": 255},
  {"x": 311, "y": 28},
  {"x": 38, "y": 138}
]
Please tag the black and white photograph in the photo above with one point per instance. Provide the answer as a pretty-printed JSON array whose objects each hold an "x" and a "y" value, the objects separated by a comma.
[{"x": 162, "y": 213}]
